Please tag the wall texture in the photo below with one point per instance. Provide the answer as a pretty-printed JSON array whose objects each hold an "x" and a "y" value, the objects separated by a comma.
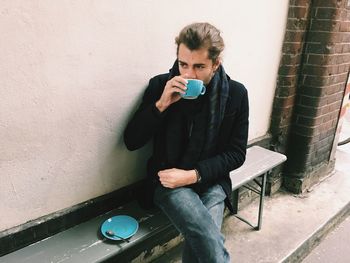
[{"x": 71, "y": 73}]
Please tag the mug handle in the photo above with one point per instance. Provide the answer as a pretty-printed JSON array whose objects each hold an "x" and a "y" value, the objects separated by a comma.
[{"x": 203, "y": 90}]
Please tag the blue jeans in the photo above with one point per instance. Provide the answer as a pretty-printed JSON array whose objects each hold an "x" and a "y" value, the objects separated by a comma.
[{"x": 198, "y": 217}]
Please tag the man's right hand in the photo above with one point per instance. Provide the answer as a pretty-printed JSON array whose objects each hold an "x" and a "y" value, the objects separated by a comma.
[{"x": 172, "y": 92}]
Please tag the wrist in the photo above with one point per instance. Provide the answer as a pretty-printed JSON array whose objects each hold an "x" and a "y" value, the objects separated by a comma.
[
  {"x": 160, "y": 106},
  {"x": 192, "y": 177},
  {"x": 198, "y": 176}
]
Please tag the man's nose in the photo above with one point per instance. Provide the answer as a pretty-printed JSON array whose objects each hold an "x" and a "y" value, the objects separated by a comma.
[{"x": 190, "y": 73}]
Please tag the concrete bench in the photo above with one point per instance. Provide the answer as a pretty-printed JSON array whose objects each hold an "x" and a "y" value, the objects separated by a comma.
[{"x": 84, "y": 243}]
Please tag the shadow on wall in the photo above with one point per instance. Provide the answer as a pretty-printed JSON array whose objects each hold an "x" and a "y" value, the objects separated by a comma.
[{"x": 122, "y": 167}]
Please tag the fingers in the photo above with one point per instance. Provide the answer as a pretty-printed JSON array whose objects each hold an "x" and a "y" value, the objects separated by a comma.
[
  {"x": 172, "y": 92},
  {"x": 166, "y": 178},
  {"x": 178, "y": 84},
  {"x": 166, "y": 171},
  {"x": 180, "y": 79},
  {"x": 173, "y": 178}
]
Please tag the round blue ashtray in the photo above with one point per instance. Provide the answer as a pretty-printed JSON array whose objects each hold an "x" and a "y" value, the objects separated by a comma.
[{"x": 119, "y": 227}]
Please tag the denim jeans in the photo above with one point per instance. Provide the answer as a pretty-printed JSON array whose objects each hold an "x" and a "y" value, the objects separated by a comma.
[{"x": 198, "y": 217}]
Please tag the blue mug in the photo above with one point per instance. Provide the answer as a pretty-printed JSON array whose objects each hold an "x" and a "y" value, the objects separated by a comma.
[{"x": 195, "y": 88}]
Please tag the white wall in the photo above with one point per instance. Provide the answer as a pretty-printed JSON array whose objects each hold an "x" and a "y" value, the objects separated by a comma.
[{"x": 71, "y": 73}]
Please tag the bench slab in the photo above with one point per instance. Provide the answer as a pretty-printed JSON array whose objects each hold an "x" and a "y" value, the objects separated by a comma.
[
  {"x": 84, "y": 242},
  {"x": 258, "y": 161}
]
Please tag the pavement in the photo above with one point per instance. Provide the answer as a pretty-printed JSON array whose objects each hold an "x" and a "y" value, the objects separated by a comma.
[
  {"x": 334, "y": 248},
  {"x": 294, "y": 225}
]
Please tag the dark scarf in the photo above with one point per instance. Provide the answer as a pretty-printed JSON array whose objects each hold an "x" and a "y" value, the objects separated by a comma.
[{"x": 193, "y": 125}]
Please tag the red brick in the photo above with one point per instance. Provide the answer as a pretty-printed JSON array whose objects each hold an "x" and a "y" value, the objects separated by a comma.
[
  {"x": 339, "y": 48},
  {"x": 304, "y": 3},
  {"x": 310, "y": 80},
  {"x": 298, "y": 11},
  {"x": 296, "y": 24},
  {"x": 320, "y": 48},
  {"x": 345, "y": 37},
  {"x": 288, "y": 70},
  {"x": 334, "y": 98},
  {"x": 324, "y": 37},
  {"x": 294, "y": 36},
  {"x": 323, "y": 135},
  {"x": 311, "y": 91},
  {"x": 322, "y": 59},
  {"x": 325, "y": 25},
  {"x": 306, "y": 130},
  {"x": 325, "y": 12},
  {"x": 330, "y": 108},
  {"x": 344, "y": 68},
  {"x": 337, "y": 69},
  {"x": 312, "y": 101},
  {"x": 314, "y": 70},
  {"x": 332, "y": 89},
  {"x": 342, "y": 77},
  {"x": 345, "y": 48},
  {"x": 327, "y": 3},
  {"x": 345, "y": 26},
  {"x": 329, "y": 116},
  {"x": 290, "y": 59},
  {"x": 343, "y": 58},
  {"x": 307, "y": 111},
  {"x": 343, "y": 14},
  {"x": 286, "y": 81},
  {"x": 335, "y": 106},
  {"x": 285, "y": 91},
  {"x": 307, "y": 121},
  {"x": 327, "y": 126},
  {"x": 280, "y": 120},
  {"x": 284, "y": 102},
  {"x": 316, "y": 81},
  {"x": 292, "y": 48}
]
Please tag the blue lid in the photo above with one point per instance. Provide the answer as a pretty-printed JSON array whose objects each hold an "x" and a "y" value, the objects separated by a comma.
[{"x": 119, "y": 226}]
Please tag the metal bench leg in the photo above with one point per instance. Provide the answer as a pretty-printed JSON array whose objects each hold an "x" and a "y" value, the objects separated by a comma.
[
  {"x": 235, "y": 199},
  {"x": 261, "y": 203}
]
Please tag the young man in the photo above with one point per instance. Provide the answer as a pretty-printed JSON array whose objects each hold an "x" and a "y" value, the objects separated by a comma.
[{"x": 196, "y": 143}]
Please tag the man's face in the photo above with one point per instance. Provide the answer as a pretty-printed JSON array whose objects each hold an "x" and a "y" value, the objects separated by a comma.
[{"x": 195, "y": 64}]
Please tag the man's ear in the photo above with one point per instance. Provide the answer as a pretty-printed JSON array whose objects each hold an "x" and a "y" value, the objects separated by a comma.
[{"x": 217, "y": 64}]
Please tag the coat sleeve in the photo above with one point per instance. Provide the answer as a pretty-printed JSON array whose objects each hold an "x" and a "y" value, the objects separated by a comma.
[
  {"x": 147, "y": 118},
  {"x": 232, "y": 154}
]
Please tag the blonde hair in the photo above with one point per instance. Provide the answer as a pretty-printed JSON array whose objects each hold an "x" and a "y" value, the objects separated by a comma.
[{"x": 201, "y": 35}]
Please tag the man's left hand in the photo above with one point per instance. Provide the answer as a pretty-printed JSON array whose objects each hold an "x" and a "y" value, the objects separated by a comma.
[{"x": 173, "y": 178}]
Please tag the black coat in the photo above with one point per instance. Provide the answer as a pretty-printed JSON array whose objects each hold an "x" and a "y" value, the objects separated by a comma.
[{"x": 148, "y": 123}]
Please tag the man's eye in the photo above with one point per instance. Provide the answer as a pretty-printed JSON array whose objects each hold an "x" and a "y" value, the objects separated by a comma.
[{"x": 183, "y": 65}]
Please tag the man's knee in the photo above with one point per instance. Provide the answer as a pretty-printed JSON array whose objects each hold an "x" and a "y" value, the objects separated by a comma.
[{"x": 177, "y": 196}]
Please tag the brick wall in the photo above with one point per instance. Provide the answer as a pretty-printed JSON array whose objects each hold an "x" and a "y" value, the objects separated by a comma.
[
  {"x": 289, "y": 72},
  {"x": 310, "y": 88}
]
